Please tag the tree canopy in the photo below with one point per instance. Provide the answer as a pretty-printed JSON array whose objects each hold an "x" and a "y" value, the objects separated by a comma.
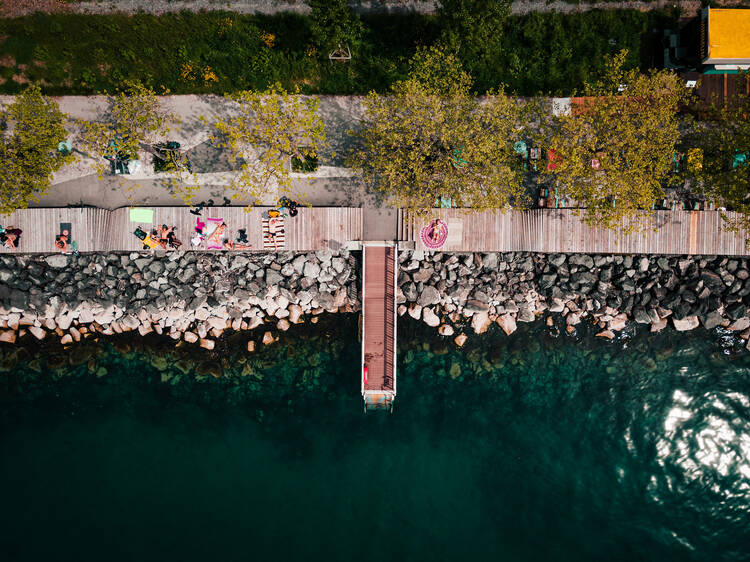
[
  {"x": 134, "y": 116},
  {"x": 613, "y": 151},
  {"x": 724, "y": 174},
  {"x": 431, "y": 139},
  {"x": 269, "y": 128},
  {"x": 28, "y": 150}
]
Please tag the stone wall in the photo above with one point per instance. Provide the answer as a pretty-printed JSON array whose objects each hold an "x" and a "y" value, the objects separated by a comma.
[
  {"x": 450, "y": 291},
  {"x": 189, "y": 296}
]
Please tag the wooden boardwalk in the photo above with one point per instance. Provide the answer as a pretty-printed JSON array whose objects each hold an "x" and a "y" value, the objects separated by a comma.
[
  {"x": 101, "y": 230},
  {"x": 564, "y": 231},
  {"x": 379, "y": 325}
]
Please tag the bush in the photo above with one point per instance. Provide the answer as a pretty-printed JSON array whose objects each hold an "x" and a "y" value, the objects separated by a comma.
[{"x": 220, "y": 52}]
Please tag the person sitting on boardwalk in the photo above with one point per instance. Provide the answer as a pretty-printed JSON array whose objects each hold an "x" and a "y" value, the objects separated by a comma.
[
  {"x": 167, "y": 236},
  {"x": 10, "y": 237},
  {"x": 61, "y": 240}
]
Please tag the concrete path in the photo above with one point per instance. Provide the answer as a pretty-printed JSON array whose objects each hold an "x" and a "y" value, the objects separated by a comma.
[
  {"x": 332, "y": 185},
  {"x": 15, "y": 8}
]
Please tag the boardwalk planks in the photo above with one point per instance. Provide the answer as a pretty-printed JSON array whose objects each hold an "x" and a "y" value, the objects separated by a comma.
[
  {"x": 564, "y": 231},
  {"x": 101, "y": 230}
]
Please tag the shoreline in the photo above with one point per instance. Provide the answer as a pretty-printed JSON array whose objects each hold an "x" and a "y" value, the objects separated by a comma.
[
  {"x": 196, "y": 298},
  {"x": 468, "y": 292},
  {"x": 188, "y": 297}
]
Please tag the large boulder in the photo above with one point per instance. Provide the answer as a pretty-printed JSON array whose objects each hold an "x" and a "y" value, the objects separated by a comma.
[
  {"x": 475, "y": 306},
  {"x": 581, "y": 259},
  {"x": 57, "y": 261},
  {"x": 480, "y": 322},
  {"x": 712, "y": 282},
  {"x": 428, "y": 296},
  {"x": 430, "y": 318},
  {"x": 685, "y": 324},
  {"x": 507, "y": 323},
  {"x": 311, "y": 269}
]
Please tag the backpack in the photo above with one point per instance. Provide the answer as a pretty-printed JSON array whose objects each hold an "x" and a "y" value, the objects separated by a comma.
[{"x": 140, "y": 234}]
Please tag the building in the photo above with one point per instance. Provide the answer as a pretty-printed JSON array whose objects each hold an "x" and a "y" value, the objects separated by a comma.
[{"x": 725, "y": 40}]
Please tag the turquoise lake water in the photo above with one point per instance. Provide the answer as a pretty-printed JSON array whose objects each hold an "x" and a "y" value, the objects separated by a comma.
[{"x": 529, "y": 447}]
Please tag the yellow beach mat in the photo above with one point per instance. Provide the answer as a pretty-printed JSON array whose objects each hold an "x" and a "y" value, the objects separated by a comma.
[{"x": 268, "y": 240}]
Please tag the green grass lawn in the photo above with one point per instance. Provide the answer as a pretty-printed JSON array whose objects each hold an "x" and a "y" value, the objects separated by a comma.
[{"x": 220, "y": 52}]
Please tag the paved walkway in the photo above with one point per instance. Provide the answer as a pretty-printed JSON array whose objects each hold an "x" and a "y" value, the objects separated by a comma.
[
  {"x": 15, "y": 8},
  {"x": 331, "y": 185}
]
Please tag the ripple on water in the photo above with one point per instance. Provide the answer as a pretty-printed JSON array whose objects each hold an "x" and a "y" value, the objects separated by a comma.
[{"x": 528, "y": 447}]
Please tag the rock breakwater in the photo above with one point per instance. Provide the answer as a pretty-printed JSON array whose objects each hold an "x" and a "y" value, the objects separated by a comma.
[
  {"x": 456, "y": 293},
  {"x": 188, "y": 296}
]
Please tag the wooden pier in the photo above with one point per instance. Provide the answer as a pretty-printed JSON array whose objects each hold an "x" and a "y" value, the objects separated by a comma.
[
  {"x": 379, "y": 264},
  {"x": 101, "y": 230},
  {"x": 564, "y": 231}
]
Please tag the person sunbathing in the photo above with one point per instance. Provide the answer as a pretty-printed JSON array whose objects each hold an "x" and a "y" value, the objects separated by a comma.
[
  {"x": 274, "y": 229},
  {"x": 218, "y": 234},
  {"x": 436, "y": 229},
  {"x": 229, "y": 245}
]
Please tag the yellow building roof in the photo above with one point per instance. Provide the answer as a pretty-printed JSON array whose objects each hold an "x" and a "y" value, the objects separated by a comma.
[{"x": 729, "y": 33}]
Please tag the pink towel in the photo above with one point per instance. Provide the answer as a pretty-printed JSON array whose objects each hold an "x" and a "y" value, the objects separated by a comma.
[{"x": 213, "y": 224}]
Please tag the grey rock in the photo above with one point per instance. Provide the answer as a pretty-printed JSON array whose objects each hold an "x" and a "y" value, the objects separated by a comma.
[
  {"x": 712, "y": 281},
  {"x": 736, "y": 311},
  {"x": 557, "y": 259},
  {"x": 424, "y": 274},
  {"x": 311, "y": 270},
  {"x": 410, "y": 292},
  {"x": 428, "y": 296},
  {"x": 476, "y": 306},
  {"x": 581, "y": 259},
  {"x": 548, "y": 280},
  {"x": 57, "y": 261},
  {"x": 711, "y": 320},
  {"x": 156, "y": 267},
  {"x": 299, "y": 263}
]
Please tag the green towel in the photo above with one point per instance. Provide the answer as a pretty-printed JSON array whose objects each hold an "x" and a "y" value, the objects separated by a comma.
[{"x": 139, "y": 214}]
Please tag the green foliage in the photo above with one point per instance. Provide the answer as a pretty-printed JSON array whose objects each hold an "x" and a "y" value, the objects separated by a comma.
[
  {"x": 724, "y": 176},
  {"x": 432, "y": 139},
  {"x": 270, "y": 127},
  {"x": 220, "y": 52},
  {"x": 332, "y": 22},
  {"x": 28, "y": 154},
  {"x": 474, "y": 28},
  {"x": 134, "y": 116},
  {"x": 613, "y": 153}
]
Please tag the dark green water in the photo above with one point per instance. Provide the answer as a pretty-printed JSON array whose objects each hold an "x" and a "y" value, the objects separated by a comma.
[{"x": 522, "y": 448}]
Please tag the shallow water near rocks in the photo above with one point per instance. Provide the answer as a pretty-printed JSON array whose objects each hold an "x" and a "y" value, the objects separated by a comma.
[{"x": 526, "y": 447}]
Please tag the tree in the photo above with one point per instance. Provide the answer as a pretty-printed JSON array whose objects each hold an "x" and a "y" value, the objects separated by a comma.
[
  {"x": 134, "y": 117},
  {"x": 270, "y": 128},
  {"x": 333, "y": 23},
  {"x": 430, "y": 138},
  {"x": 473, "y": 29},
  {"x": 724, "y": 176},
  {"x": 28, "y": 151},
  {"x": 613, "y": 151}
]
